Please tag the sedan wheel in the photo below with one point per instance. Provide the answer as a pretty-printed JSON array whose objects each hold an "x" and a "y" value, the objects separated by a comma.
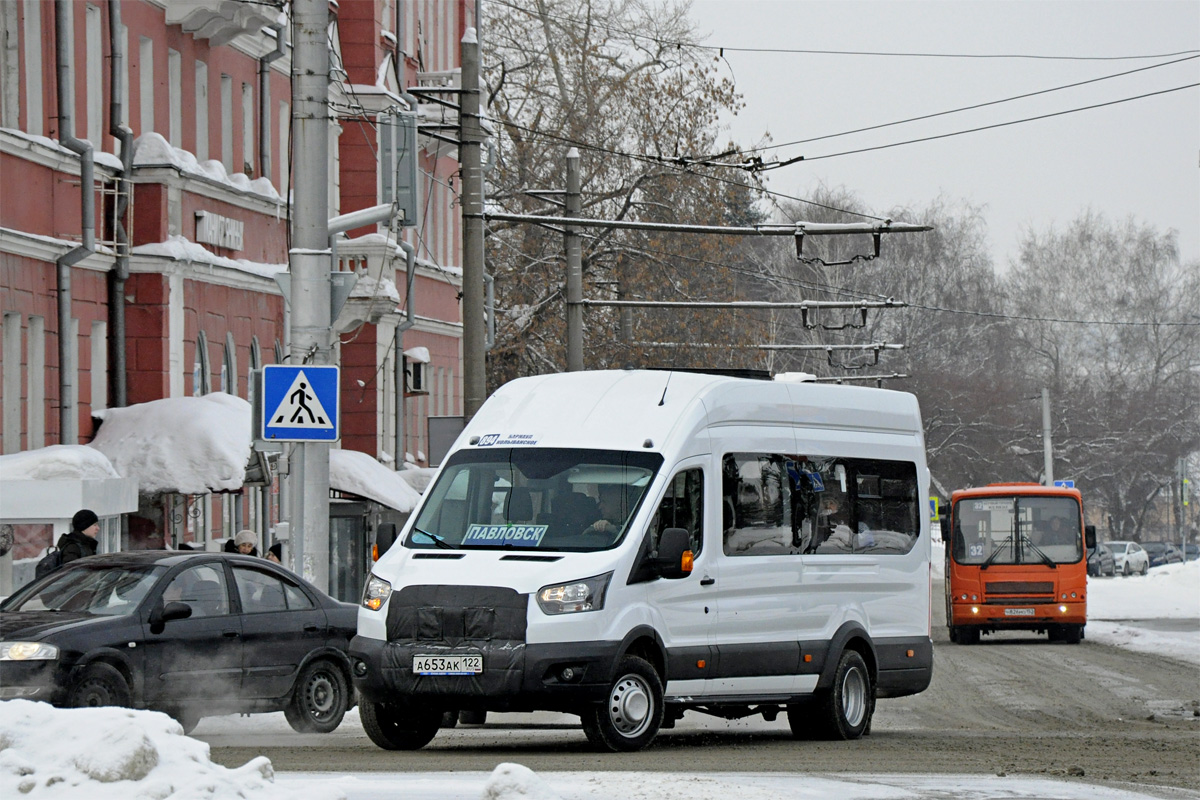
[
  {"x": 99, "y": 685},
  {"x": 319, "y": 700}
]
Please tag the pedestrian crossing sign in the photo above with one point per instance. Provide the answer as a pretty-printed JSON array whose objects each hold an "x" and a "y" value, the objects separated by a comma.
[{"x": 300, "y": 404}]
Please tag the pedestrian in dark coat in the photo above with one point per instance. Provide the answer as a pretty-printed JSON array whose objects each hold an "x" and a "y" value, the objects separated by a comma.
[{"x": 80, "y": 541}]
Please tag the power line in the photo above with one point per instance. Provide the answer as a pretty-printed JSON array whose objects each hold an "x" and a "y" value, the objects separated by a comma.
[
  {"x": 935, "y": 137},
  {"x": 953, "y": 110},
  {"x": 720, "y": 49}
]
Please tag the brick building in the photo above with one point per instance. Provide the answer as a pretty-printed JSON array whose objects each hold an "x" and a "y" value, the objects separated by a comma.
[{"x": 189, "y": 217}]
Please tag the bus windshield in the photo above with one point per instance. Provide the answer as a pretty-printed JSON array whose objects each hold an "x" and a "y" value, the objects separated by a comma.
[
  {"x": 534, "y": 499},
  {"x": 1017, "y": 530}
]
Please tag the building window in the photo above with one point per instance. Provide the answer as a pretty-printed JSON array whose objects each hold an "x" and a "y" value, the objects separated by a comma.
[
  {"x": 10, "y": 38},
  {"x": 227, "y": 123},
  {"x": 175, "y": 98},
  {"x": 200, "y": 371},
  {"x": 11, "y": 405},
  {"x": 229, "y": 371},
  {"x": 94, "y": 78},
  {"x": 99, "y": 370},
  {"x": 201, "y": 111},
  {"x": 146, "y": 84},
  {"x": 33, "y": 68},
  {"x": 248, "y": 129},
  {"x": 285, "y": 153},
  {"x": 35, "y": 370},
  {"x": 278, "y": 352},
  {"x": 255, "y": 364}
]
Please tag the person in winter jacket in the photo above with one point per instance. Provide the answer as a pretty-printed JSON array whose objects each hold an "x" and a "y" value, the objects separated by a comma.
[
  {"x": 80, "y": 541},
  {"x": 245, "y": 543}
]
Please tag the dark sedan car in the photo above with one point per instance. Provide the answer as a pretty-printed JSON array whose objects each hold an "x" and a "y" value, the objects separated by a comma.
[
  {"x": 1157, "y": 552},
  {"x": 191, "y": 634},
  {"x": 1100, "y": 561}
]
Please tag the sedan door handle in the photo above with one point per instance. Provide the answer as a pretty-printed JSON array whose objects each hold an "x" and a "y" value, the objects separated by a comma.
[
  {"x": 230, "y": 634},
  {"x": 707, "y": 581}
]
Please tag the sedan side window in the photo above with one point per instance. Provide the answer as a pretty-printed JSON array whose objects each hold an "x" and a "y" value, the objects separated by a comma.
[
  {"x": 259, "y": 591},
  {"x": 203, "y": 588}
]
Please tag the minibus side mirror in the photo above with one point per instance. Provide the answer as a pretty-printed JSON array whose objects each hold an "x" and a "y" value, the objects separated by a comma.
[
  {"x": 674, "y": 553},
  {"x": 385, "y": 537},
  {"x": 1089, "y": 536}
]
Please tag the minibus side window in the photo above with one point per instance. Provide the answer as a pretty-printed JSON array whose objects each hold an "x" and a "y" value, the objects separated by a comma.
[
  {"x": 682, "y": 507},
  {"x": 775, "y": 504}
]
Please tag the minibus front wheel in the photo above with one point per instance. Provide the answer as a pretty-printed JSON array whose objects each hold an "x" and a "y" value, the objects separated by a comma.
[
  {"x": 632, "y": 712},
  {"x": 399, "y": 726}
]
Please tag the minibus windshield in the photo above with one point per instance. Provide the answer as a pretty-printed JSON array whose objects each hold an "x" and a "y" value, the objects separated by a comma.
[
  {"x": 1017, "y": 530},
  {"x": 534, "y": 498}
]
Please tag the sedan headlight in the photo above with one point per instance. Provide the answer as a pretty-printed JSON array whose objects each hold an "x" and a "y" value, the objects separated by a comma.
[
  {"x": 567, "y": 598},
  {"x": 376, "y": 593},
  {"x": 27, "y": 651}
]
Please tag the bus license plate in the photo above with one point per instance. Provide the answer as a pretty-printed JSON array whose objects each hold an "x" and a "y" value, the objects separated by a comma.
[
  {"x": 447, "y": 665},
  {"x": 1018, "y": 612}
]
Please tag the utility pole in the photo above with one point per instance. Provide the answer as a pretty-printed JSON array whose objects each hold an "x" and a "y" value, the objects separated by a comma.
[
  {"x": 310, "y": 282},
  {"x": 574, "y": 248},
  {"x": 470, "y": 137},
  {"x": 1046, "y": 448}
]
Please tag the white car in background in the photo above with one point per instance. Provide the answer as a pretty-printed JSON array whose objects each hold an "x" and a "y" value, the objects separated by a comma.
[{"x": 1129, "y": 558}]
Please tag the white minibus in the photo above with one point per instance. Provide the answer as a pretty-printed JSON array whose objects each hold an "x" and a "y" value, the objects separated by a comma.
[{"x": 628, "y": 545}]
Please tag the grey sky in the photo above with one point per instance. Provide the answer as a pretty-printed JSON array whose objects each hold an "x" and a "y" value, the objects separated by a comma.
[{"x": 1139, "y": 158}]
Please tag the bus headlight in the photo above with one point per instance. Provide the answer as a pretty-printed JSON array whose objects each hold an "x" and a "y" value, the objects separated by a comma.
[
  {"x": 567, "y": 598},
  {"x": 1062, "y": 609},
  {"x": 376, "y": 593}
]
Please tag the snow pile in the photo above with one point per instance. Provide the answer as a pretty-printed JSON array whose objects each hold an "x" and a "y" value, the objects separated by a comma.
[
  {"x": 152, "y": 150},
  {"x": 510, "y": 781},
  {"x": 58, "y": 462},
  {"x": 121, "y": 754},
  {"x": 180, "y": 248},
  {"x": 373, "y": 288},
  {"x": 418, "y": 478},
  {"x": 360, "y": 474},
  {"x": 1171, "y": 591},
  {"x": 190, "y": 445}
]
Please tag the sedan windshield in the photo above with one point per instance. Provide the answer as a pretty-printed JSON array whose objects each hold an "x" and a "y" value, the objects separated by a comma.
[
  {"x": 1017, "y": 530},
  {"x": 534, "y": 498},
  {"x": 110, "y": 591}
]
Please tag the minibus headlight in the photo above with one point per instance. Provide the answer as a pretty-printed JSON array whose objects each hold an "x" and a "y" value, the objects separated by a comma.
[
  {"x": 566, "y": 598},
  {"x": 27, "y": 651},
  {"x": 376, "y": 593}
]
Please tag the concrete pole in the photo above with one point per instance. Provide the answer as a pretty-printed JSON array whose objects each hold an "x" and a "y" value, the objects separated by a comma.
[
  {"x": 470, "y": 137},
  {"x": 309, "y": 263},
  {"x": 572, "y": 244},
  {"x": 1046, "y": 448}
]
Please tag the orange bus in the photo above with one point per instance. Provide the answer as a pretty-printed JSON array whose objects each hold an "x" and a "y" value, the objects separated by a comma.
[{"x": 1016, "y": 559}]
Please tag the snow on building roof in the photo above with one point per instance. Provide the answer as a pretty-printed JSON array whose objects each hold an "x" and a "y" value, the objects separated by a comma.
[
  {"x": 190, "y": 445},
  {"x": 180, "y": 248},
  {"x": 358, "y": 473},
  {"x": 56, "y": 463},
  {"x": 152, "y": 150}
]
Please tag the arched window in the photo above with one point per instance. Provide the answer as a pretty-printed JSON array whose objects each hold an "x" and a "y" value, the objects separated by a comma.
[
  {"x": 200, "y": 370},
  {"x": 278, "y": 352},
  {"x": 255, "y": 364},
  {"x": 229, "y": 381}
]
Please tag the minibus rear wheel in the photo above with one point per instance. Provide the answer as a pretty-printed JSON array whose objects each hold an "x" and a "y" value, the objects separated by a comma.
[
  {"x": 399, "y": 726},
  {"x": 632, "y": 712}
]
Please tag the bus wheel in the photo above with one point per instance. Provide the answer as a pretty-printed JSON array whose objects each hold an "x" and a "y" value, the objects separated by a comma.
[
  {"x": 399, "y": 726},
  {"x": 633, "y": 711},
  {"x": 1072, "y": 634},
  {"x": 844, "y": 710},
  {"x": 968, "y": 634}
]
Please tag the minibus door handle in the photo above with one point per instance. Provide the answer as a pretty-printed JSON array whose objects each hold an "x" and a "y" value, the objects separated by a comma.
[{"x": 707, "y": 581}]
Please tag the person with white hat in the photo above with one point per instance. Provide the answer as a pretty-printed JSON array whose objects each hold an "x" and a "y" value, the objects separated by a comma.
[{"x": 246, "y": 543}]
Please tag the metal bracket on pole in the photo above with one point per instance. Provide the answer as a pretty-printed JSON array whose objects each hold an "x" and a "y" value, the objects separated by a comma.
[
  {"x": 340, "y": 286},
  {"x": 877, "y": 236}
]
